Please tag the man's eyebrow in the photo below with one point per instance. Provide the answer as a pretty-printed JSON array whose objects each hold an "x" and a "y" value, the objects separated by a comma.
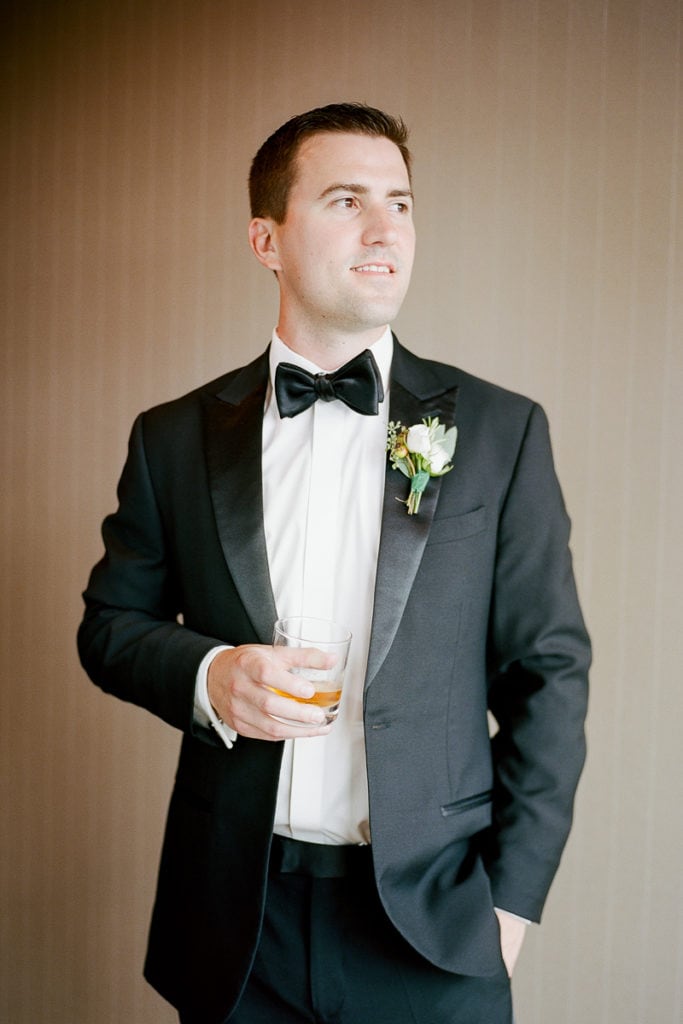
[{"x": 362, "y": 190}]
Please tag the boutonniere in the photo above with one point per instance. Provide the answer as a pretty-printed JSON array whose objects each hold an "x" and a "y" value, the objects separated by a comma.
[{"x": 420, "y": 452}]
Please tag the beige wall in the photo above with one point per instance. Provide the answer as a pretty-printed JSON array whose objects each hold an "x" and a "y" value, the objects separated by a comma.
[{"x": 547, "y": 136}]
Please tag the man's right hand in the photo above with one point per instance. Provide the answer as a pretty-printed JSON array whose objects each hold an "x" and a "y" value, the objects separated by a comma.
[{"x": 242, "y": 682}]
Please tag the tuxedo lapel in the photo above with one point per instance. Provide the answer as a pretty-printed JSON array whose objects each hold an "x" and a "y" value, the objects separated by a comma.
[
  {"x": 233, "y": 428},
  {"x": 416, "y": 392}
]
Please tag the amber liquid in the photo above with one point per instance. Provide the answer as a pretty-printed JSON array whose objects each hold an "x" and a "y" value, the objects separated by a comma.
[{"x": 321, "y": 698}]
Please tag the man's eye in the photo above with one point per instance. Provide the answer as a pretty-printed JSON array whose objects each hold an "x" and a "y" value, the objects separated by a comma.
[{"x": 346, "y": 202}]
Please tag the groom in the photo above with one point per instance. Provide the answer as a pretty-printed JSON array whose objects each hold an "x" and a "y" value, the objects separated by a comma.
[{"x": 382, "y": 868}]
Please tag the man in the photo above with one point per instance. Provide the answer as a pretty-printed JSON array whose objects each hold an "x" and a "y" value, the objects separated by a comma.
[{"x": 382, "y": 868}]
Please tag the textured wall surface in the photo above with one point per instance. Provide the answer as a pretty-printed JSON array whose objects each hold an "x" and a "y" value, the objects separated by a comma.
[{"x": 547, "y": 138}]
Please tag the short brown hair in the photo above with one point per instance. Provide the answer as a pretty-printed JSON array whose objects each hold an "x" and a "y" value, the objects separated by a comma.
[{"x": 273, "y": 169}]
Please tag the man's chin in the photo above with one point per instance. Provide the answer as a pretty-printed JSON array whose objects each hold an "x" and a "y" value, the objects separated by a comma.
[{"x": 369, "y": 316}]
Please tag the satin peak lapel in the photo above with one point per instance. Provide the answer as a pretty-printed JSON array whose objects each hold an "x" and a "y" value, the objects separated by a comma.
[
  {"x": 233, "y": 425},
  {"x": 416, "y": 393}
]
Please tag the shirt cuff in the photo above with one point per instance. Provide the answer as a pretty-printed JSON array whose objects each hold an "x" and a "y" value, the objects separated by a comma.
[
  {"x": 524, "y": 920},
  {"x": 204, "y": 713}
]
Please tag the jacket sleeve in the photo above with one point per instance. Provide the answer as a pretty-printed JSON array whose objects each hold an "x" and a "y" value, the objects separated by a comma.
[
  {"x": 131, "y": 642},
  {"x": 539, "y": 655}
]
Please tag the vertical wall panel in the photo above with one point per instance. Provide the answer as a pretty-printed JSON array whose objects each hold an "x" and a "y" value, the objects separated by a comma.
[{"x": 547, "y": 136}]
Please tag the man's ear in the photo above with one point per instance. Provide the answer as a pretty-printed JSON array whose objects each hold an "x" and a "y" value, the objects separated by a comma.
[{"x": 263, "y": 242}]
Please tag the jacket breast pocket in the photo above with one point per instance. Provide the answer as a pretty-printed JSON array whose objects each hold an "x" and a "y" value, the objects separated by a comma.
[{"x": 451, "y": 528}]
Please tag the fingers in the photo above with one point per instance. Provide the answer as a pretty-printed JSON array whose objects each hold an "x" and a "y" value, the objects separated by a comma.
[
  {"x": 304, "y": 657},
  {"x": 249, "y": 685}
]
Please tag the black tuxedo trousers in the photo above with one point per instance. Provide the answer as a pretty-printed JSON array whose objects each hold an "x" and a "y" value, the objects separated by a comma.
[
  {"x": 328, "y": 953},
  {"x": 475, "y": 610}
]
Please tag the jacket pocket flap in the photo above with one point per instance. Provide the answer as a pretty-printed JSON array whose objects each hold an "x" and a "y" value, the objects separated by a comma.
[
  {"x": 470, "y": 815},
  {"x": 458, "y": 527}
]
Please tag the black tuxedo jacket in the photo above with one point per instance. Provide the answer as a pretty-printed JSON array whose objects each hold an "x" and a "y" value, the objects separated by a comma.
[{"x": 475, "y": 610}]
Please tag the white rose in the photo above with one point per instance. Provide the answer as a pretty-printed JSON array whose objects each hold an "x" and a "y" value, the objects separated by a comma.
[
  {"x": 438, "y": 458},
  {"x": 418, "y": 440}
]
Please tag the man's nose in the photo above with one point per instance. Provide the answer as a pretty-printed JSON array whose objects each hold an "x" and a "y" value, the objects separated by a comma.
[{"x": 379, "y": 227}]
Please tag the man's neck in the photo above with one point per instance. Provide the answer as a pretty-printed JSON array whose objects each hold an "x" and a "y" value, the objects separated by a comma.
[{"x": 326, "y": 350}]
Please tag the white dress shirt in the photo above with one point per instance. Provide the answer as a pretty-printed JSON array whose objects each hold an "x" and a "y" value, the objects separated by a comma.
[{"x": 323, "y": 487}]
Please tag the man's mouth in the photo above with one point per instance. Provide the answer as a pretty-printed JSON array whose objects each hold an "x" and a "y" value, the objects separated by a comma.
[{"x": 374, "y": 268}]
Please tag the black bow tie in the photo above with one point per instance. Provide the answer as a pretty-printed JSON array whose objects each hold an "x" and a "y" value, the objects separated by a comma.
[{"x": 358, "y": 384}]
